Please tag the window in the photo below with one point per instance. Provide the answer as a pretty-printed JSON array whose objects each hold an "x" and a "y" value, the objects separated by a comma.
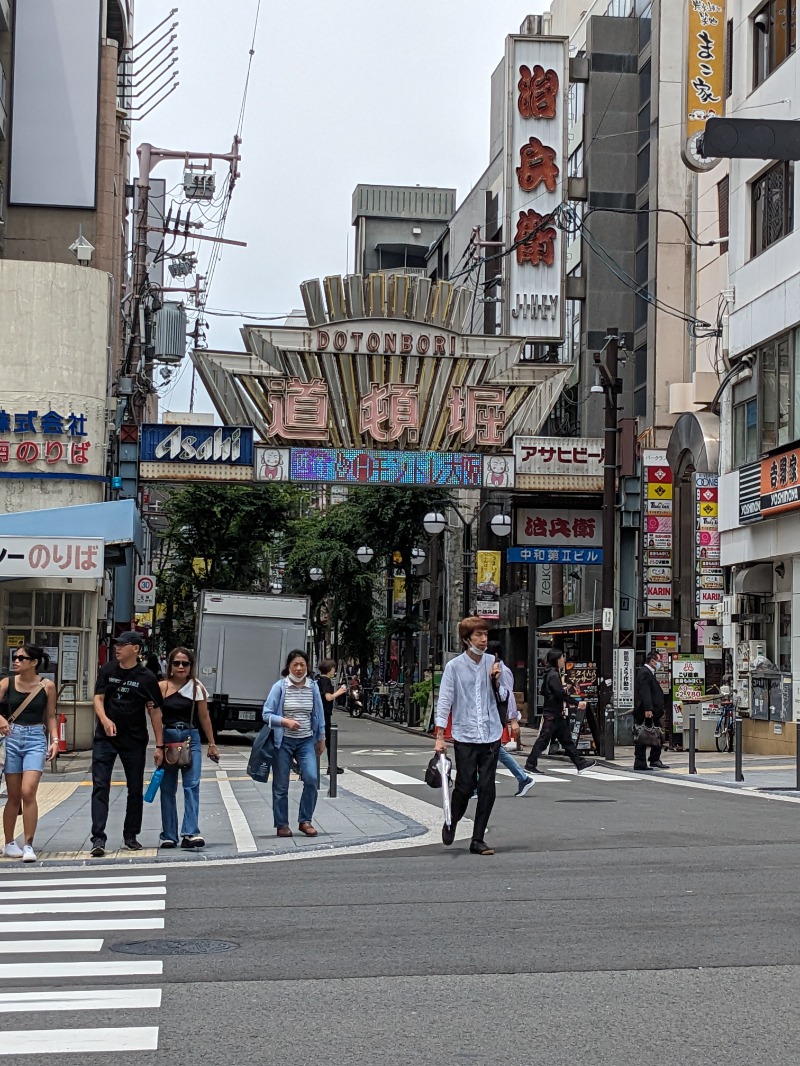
[
  {"x": 774, "y": 27},
  {"x": 640, "y": 381},
  {"x": 722, "y": 209},
  {"x": 56, "y": 621},
  {"x": 772, "y": 208},
  {"x": 745, "y": 432}
]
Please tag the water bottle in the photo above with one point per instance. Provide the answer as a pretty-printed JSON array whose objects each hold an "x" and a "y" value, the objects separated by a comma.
[{"x": 155, "y": 785}]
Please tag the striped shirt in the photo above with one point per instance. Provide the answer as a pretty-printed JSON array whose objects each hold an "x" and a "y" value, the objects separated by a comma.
[{"x": 298, "y": 703}]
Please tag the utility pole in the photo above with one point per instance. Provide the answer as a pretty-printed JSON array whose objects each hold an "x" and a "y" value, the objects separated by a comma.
[{"x": 608, "y": 372}]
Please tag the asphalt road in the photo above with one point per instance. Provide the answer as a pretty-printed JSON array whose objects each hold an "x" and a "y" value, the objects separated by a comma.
[{"x": 620, "y": 922}]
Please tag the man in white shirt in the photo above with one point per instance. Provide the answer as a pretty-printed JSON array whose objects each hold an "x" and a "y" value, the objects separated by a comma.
[{"x": 467, "y": 698}]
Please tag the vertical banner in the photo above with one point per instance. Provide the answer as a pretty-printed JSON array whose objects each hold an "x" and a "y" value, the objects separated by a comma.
[
  {"x": 708, "y": 570},
  {"x": 704, "y": 75},
  {"x": 657, "y": 504},
  {"x": 399, "y": 597},
  {"x": 488, "y": 564},
  {"x": 623, "y": 678},
  {"x": 536, "y": 183}
]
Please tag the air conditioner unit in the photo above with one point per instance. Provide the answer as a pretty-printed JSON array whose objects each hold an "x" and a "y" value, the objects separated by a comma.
[
  {"x": 199, "y": 184},
  {"x": 169, "y": 333}
]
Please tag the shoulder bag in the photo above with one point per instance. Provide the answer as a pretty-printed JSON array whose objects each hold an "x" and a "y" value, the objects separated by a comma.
[
  {"x": 502, "y": 705},
  {"x": 179, "y": 752},
  {"x": 648, "y": 735},
  {"x": 13, "y": 717}
]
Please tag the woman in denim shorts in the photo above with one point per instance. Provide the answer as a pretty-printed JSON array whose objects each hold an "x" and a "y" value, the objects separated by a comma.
[{"x": 26, "y": 744}]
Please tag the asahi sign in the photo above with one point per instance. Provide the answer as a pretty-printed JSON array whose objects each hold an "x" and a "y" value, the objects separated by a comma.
[
  {"x": 535, "y": 180},
  {"x": 196, "y": 453}
]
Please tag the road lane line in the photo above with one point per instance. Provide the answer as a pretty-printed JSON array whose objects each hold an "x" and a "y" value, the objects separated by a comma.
[
  {"x": 44, "y": 907},
  {"x": 32, "y": 947},
  {"x": 88, "y": 999},
  {"x": 543, "y": 778},
  {"x": 118, "y": 892},
  {"x": 44, "y": 882},
  {"x": 245, "y": 841},
  {"x": 394, "y": 777},
  {"x": 81, "y": 925},
  {"x": 72, "y": 1041},
  {"x": 20, "y": 971}
]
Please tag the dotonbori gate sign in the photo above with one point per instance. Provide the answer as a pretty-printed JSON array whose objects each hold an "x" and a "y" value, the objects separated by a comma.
[{"x": 402, "y": 396}]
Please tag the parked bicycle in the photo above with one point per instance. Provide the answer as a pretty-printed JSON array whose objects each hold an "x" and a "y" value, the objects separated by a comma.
[{"x": 724, "y": 729}]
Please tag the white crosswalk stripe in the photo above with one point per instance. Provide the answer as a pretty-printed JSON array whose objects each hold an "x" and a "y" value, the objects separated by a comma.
[
  {"x": 554, "y": 777},
  {"x": 34, "y": 962}
]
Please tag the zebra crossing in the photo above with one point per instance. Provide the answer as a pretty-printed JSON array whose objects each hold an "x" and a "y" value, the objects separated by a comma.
[
  {"x": 37, "y": 945},
  {"x": 559, "y": 776}
]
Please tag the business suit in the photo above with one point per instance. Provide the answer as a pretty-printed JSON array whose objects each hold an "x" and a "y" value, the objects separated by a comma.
[{"x": 648, "y": 696}]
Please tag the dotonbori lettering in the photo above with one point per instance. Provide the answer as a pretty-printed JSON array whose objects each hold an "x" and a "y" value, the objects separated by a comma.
[{"x": 386, "y": 343}]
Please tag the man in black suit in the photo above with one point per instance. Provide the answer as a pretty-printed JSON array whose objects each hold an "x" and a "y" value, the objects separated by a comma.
[{"x": 648, "y": 708}]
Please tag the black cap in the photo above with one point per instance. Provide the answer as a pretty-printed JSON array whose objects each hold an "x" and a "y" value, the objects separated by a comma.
[{"x": 129, "y": 637}]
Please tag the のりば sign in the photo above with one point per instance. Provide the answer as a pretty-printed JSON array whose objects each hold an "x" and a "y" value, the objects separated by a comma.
[{"x": 51, "y": 557}]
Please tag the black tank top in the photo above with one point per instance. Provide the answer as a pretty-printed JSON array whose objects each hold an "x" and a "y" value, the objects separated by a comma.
[
  {"x": 35, "y": 711},
  {"x": 177, "y": 708}
]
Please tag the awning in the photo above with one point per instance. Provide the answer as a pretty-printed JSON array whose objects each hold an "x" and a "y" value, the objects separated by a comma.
[
  {"x": 694, "y": 444},
  {"x": 586, "y": 622},
  {"x": 118, "y": 522},
  {"x": 757, "y": 580}
]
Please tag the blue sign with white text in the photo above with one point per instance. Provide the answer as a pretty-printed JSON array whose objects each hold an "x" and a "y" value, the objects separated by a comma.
[
  {"x": 212, "y": 445},
  {"x": 587, "y": 556}
]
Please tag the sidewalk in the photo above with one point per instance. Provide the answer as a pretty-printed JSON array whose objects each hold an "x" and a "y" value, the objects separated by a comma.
[
  {"x": 763, "y": 773},
  {"x": 235, "y": 817}
]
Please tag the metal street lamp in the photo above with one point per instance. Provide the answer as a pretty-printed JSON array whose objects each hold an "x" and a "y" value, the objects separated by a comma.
[
  {"x": 365, "y": 555},
  {"x": 501, "y": 525},
  {"x": 417, "y": 556},
  {"x": 315, "y": 573},
  {"x": 434, "y": 522}
]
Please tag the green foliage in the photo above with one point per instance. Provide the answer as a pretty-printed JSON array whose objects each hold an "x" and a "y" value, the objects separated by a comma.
[{"x": 421, "y": 693}]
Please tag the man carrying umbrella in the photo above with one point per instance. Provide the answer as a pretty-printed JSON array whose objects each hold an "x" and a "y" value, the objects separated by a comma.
[{"x": 467, "y": 698}]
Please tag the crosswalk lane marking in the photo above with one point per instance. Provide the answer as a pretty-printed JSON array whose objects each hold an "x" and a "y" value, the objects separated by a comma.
[
  {"x": 41, "y": 947},
  {"x": 45, "y": 907},
  {"x": 117, "y": 892},
  {"x": 46, "y": 882},
  {"x": 88, "y": 999},
  {"x": 48, "y": 1041},
  {"x": 245, "y": 841},
  {"x": 81, "y": 925},
  {"x": 544, "y": 778},
  {"x": 24, "y": 970},
  {"x": 394, "y": 777},
  {"x": 595, "y": 775}
]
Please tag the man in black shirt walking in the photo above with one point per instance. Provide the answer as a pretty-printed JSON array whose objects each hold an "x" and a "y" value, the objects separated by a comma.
[
  {"x": 648, "y": 709},
  {"x": 124, "y": 691}
]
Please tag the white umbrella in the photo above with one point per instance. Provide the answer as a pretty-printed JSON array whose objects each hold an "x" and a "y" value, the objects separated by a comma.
[{"x": 445, "y": 766}]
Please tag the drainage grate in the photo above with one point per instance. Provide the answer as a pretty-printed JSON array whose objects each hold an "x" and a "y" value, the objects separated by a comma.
[{"x": 175, "y": 947}]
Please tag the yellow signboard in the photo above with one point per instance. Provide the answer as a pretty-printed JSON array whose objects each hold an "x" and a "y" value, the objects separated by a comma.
[
  {"x": 705, "y": 64},
  {"x": 657, "y": 491},
  {"x": 488, "y": 564}
]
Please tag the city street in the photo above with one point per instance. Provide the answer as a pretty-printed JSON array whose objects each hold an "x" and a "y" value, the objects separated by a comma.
[{"x": 622, "y": 920}]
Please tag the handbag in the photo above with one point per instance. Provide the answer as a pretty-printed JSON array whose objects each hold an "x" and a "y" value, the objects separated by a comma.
[
  {"x": 13, "y": 717},
  {"x": 648, "y": 735},
  {"x": 261, "y": 757},
  {"x": 502, "y": 705},
  {"x": 179, "y": 752}
]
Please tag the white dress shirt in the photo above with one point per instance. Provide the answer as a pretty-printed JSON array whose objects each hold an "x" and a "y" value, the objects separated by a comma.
[{"x": 466, "y": 693}]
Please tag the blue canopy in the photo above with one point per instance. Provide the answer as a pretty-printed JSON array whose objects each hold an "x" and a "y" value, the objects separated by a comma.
[{"x": 117, "y": 522}]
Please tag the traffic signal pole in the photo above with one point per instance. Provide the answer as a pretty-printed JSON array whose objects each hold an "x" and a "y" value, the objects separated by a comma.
[{"x": 608, "y": 372}]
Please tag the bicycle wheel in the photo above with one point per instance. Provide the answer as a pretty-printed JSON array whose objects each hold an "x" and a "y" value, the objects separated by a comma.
[
  {"x": 721, "y": 740},
  {"x": 729, "y": 736}
]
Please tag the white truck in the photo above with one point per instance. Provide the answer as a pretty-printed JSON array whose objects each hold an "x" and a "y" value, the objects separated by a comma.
[{"x": 242, "y": 641}]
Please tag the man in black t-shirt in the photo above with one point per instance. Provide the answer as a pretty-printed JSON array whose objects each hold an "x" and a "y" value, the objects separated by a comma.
[
  {"x": 327, "y": 668},
  {"x": 125, "y": 693}
]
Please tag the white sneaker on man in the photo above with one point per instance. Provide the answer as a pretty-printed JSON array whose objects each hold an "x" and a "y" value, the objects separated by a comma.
[
  {"x": 12, "y": 850},
  {"x": 28, "y": 854}
]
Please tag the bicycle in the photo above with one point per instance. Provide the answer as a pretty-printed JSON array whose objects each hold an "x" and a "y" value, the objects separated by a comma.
[{"x": 724, "y": 729}]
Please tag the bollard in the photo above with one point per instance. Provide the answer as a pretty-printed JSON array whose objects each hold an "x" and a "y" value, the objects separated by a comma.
[
  {"x": 797, "y": 758},
  {"x": 333, "y": 756},
  {"x": 608, "y": 737},
  {"x": 737, "y": 748},
  {"x": 692, "y": 743},
  {"x": 319, "y": 772}
]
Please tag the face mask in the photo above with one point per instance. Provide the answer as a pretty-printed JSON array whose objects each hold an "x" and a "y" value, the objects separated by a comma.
[
  {"x": 476, "y": 651},
  {"x": 299, "y": 680}
]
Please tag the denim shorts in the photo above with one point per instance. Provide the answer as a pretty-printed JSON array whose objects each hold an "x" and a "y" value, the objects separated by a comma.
[{"x": 26, "y": 748}]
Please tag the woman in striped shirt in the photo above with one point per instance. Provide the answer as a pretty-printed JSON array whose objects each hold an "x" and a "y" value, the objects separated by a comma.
[{"x": 294, "y": 711}]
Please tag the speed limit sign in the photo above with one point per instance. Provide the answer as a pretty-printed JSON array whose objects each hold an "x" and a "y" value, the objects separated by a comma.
[{"x": 145, "y": 592}]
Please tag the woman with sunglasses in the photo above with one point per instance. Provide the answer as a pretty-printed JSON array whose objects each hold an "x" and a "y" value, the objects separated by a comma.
[
  {"x": 185, "y": 703},
  {"x": 26, "y": 744}
]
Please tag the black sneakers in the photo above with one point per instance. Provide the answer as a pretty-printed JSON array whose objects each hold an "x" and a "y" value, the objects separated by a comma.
[
  {"x": 98, "y": 849},
  {"x": 448, "y": 834},
  {"x": 586, "y": 764},
  {"x": 132, "y": 844}
]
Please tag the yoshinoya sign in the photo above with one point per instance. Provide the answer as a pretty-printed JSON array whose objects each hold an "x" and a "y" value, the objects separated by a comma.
[
  {"x": 536, "y": 85},
  {"x": 780, "y": 483},
  {"x": 66, "y": 557},
  {"x": 196, "y": 453},
  {"x": 559, "y": 464}
]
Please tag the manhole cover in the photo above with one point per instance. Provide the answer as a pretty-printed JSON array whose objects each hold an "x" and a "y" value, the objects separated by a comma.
[
  {"x": 587, "y": 801},
  {"x": 175, "y": 947}
]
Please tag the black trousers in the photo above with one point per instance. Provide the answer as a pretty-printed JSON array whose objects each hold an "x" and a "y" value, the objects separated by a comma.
[
  {"x": 476, "y": 765},
  {"x": 328, "y": 712},
  {"x": 104, "y": 755},
  {"x": 553, "y": 726},
  {"x": 640, "y": 756}
]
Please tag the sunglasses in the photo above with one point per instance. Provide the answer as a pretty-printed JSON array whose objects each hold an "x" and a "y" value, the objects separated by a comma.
[
  {"x": 180, "y": 662},
  {"x": 23, "y": 659}
]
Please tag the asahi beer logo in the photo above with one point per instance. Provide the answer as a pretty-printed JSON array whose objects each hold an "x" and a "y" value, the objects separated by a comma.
[
  {"x": 202, "y": 453},
  {"x": 224, "y": 446}
]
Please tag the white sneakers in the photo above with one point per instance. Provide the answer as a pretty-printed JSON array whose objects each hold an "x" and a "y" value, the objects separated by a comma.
[{"x": 14, "y": 851}]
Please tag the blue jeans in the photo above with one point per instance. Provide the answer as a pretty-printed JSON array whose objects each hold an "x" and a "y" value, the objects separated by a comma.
[
  {"x": 191, "y": 788},
  {"x": 306, "y": 757},
  {"x": 507, "y": 759}
]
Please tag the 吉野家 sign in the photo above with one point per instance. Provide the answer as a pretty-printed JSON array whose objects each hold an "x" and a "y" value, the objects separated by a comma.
[
  {"x": 780, "y": 483},
  {"x": 51, "y": 557},
  {"x": 196, "y": 453},
  {"x": 554, "y": 528},
  {"x": 535, "y": 179}
]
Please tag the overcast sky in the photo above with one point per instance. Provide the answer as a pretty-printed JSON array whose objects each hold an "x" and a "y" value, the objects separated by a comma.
[{"x": 341, "y": 92}]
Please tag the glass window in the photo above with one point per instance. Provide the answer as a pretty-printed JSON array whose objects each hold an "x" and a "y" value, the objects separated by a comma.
[
  {"x": 73, "y": 609},
  {"x": 785, "y": 636},
  {"x": 745, "y": 433},
  {"x": 784, "y": 388},
  {"x": 796, "y": 386},
  {"x": 644, "y": 83},
  {"x": 18, "y": 609},
  {"x": 766, "y": 366},
  {"x": 774, "y": 37},
  {"x": 772, "y": 206},
  {"x": 643, "y": 167},
  {"x": 48, "y": 608}
]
